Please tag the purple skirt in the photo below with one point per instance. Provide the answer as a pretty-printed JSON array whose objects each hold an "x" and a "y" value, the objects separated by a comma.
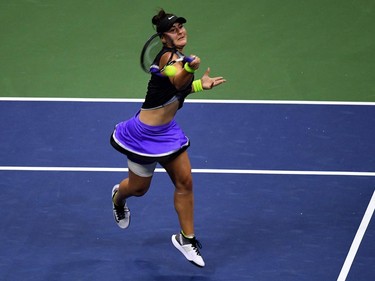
[{"x": 144, "y": 143}]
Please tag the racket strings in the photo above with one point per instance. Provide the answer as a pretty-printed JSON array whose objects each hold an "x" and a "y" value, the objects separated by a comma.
[
  {"x": 154, "y": 68},
  {"x": 151, "y": 53}
]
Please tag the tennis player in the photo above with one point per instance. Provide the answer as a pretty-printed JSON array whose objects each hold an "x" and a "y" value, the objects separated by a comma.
[{"x": 152, "y": 136}]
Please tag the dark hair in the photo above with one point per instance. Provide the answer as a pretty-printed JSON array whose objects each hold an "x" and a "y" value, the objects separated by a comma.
[
  {"x": 163, "y": 21},
  {"x": 157, "y": 19}
]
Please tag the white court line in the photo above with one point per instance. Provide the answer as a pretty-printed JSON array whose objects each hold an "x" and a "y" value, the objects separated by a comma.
[
  {"x": 365, "y": 221},
  {"x": 356, "y": 242},
  {"x": 205, "y": 171},
  {"x": 136, "y": 100},
  {"x": 357, "y": 239}
]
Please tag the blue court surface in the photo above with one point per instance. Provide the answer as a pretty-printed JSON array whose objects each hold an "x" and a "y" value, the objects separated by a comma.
[{"x": 283, "y": 191}]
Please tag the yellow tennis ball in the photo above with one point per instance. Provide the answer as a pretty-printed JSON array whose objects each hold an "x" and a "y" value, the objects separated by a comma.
[{"x": 170, "y": 70}]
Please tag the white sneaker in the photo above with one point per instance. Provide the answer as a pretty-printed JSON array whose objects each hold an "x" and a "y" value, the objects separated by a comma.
[
  {"x": 120, "y": 213},
  {"x": 189, "y": 248}
]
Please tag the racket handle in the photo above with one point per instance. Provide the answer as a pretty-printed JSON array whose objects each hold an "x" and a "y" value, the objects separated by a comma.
[
  {"x": 188, "y": 59},
  {"x": 154, "y": 68}
]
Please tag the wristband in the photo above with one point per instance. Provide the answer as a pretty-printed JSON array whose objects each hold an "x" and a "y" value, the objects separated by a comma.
[
  {"x": 188, "y": 68},
  {"x": 197, "y": 85}
]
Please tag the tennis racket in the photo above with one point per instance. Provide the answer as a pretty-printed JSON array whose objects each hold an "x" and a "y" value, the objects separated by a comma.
[{"x": 149, "y": 52}]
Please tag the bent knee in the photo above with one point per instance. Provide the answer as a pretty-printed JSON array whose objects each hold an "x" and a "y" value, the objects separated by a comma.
[
  {"x": 140, "y": 192},
  {"x": 184, "y": 185},
  {"x": 140, "y": 187}
]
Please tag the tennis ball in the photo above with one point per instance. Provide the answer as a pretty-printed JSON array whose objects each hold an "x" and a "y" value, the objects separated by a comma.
[{"x": 170, "y": 70}]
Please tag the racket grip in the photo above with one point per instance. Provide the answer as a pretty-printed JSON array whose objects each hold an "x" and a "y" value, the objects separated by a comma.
[
  {"x": 188, "y": 59},
  {"x": 154, "y": 69}
]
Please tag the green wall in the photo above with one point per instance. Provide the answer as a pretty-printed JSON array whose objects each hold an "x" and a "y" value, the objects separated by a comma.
[{"x": 267, "y": 50}]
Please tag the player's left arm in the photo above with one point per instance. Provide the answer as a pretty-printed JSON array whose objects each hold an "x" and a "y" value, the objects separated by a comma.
[{"x": 207, "y": 82}]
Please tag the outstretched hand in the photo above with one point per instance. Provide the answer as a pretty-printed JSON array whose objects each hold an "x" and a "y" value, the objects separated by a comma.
[{"x": 210, "y": 82}]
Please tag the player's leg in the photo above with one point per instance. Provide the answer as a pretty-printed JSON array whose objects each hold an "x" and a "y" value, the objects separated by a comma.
[
  {"x": 137, "y": 184},
  {"x": 179, "y": 170}
]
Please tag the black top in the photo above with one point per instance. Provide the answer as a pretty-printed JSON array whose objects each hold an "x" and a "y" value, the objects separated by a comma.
[{"x": 160, "y": 90}]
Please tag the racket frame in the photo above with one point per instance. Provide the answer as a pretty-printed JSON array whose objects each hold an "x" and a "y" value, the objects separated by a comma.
[{"x": 155, "y": 69}]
